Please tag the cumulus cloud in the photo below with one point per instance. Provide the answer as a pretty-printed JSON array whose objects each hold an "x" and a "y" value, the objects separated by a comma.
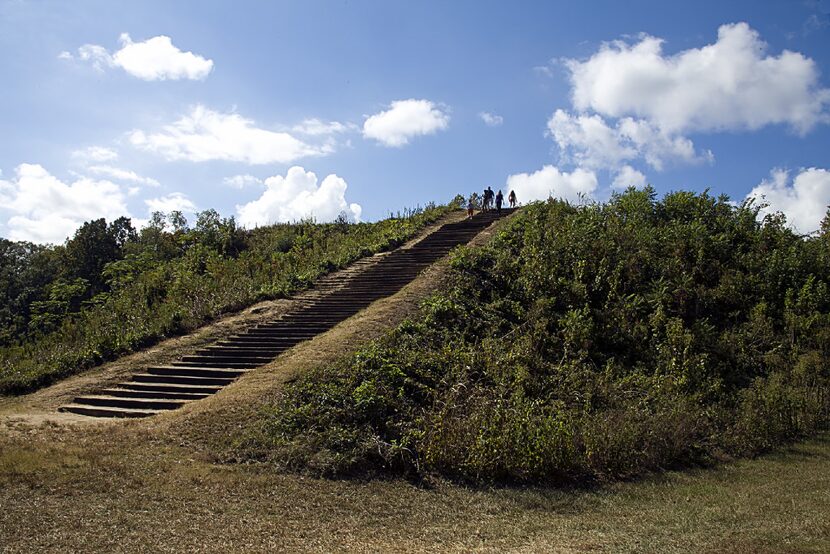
[
  {"x": 46, "y": 210},
  {"x": 296, "y": 196},
  {"x": 95, "y": 154},
  {"x": 155, "y": 59},
  {"x": 732, "y": 84},
  {"x": 119, "y": 174},
  {"x": 804, "y": 200},
  {"x": 626, "y": 177},
  {"x": 589, "y": 141},
  {"x": 491, "y": 119},
  {"x": 175, "y": 201},
  {"x": 204, "y": 135},
  {"x": 551, "y": 182},
  {"x": 404, "y": 120},
  {"x": 241, "y": 181}
]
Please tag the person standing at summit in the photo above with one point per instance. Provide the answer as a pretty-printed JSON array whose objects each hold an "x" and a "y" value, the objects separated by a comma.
[
  {"x": 499, "y": 201},
  {"x": 488, "y": 199}
]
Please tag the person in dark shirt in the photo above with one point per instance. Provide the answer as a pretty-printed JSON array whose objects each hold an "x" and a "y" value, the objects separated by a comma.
[{"x": 499, "y": 201}]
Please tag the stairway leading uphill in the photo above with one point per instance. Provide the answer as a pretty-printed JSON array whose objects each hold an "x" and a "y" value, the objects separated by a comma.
[{"x": 343, "y": 294}]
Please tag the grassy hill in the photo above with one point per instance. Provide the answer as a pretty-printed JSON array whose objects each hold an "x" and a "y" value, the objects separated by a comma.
[
  {"x": 111, "y": 290},
  {"x": 583, "y": 343}
]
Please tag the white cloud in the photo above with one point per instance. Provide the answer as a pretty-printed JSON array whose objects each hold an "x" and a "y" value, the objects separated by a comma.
[
  {"x": 627, "y": 176},
  {"x": 403, "y": 120},
  {"x": 96, "y": 154},
  {"x": 589, "y": 141},
  {"x": 732, "y": 84},
  {"x": 241, "y": 181},
  {"x": 155, "y": 59},
  {"x": 46, "y": 210},
  {"x": 119, "y": 174},
  {"x": 551, "y": 182},
  {"x": 297, "y": 196},
  {"x": 98, "y": 56},
  {"x": 175, "y": 201},
  {"x": 804, "y": 200},
  {"x": 491, "y": 119},
  {"x": 316, "y": 127},
  {"x": 205, "y": 135}
]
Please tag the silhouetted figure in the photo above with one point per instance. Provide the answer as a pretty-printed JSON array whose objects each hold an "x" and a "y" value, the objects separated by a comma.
[
  {"x": 512, "y": 198},
  {"x": 499, "y": 201},
  {"x": 488, "y": 199},
  {"x": 470, "y": 207}
]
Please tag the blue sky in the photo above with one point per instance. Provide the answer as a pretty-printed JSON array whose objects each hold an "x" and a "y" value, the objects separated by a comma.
[{"x": 279, "y": 110}]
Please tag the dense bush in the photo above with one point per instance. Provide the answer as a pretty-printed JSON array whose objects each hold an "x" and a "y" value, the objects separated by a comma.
[
  {"x": 110, "y": 290},
  {"x": 583, "y": 343}
]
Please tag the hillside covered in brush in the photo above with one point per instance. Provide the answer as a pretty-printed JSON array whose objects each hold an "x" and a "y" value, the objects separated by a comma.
[
  {"x": 583, "y": 343},
  {"x": 110, "y": 289}
]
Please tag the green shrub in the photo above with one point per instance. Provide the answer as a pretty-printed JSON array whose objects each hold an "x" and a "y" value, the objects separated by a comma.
[{"x": 582, "y": 343}]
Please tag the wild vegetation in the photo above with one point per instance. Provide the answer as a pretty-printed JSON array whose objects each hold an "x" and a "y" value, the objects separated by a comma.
[
  {"x": 583, "y": 343},
  {"x": 111, "y": 289}
]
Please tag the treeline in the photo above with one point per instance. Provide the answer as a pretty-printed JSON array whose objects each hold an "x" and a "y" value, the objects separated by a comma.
[
  {"x": 111, "y": 289},
  {"x": 583, "y": 343}
]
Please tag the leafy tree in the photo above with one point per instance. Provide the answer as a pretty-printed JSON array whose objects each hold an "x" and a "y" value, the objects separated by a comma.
[
  {"x": 26, "y": 270},
  {"x": 94, "y": 245}
]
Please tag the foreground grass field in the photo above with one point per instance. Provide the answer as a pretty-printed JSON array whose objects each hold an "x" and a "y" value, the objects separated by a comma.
[{"x": 121, "y": 490}]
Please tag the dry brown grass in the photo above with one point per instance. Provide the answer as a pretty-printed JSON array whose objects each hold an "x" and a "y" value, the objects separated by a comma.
[
  {"x": 154, "y": 485},
  {"x": 126, "y": 490}
]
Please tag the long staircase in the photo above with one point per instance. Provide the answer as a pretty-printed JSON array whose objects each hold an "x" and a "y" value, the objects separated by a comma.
[{"x": 343, "y": 294}]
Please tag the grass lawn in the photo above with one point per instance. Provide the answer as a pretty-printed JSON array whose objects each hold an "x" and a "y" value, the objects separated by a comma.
[{"x": 117, "y": 487}]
